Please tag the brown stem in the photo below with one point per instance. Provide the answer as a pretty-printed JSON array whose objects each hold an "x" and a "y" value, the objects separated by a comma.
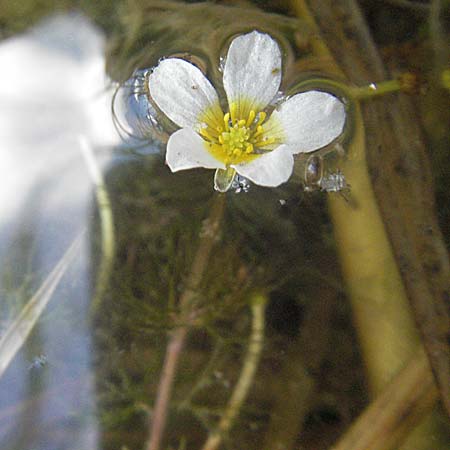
[
  {"x": 391, "y": 417},
  {"x": 401, "y": 177},
  {"x": 167, "y": 378},
  {"x": 208, "y": 237}
]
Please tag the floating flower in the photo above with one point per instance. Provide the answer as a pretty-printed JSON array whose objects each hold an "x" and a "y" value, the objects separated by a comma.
[{"x": 243, "y": 139}]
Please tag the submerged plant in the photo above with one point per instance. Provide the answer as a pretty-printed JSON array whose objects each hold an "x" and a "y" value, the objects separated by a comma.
[{"x": 244, "y": 139}]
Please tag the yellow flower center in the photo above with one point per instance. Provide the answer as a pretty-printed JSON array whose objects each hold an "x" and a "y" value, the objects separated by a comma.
[{"x": 236, "y": 139}]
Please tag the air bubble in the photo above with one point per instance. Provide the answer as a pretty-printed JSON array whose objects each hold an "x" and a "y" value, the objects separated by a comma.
[{"x": 314, "y": 170}]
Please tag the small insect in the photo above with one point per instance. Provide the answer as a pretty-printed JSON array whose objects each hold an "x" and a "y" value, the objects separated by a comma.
[
  {"x": 240, "y": 184},
  {"x": 334, "y": 182},
  {"x": 38, "y": 362}
]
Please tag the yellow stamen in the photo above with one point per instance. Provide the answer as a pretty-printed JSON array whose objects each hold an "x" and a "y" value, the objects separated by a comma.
[
  {"x": 259, "y": 131},
  {"x": 251, "y": 118},
  {"x": 204, "y": 132},
  {"x": 264, "y": 142},
  {"x": 233, "y": 108},
  {"x": 226, "y": 121},
  {"x": 238, "y": 136},
  {"x": 261, "y": 117}
]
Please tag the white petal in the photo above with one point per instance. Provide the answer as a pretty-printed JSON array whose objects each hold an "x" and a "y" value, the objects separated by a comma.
[
  {"x": 271, "y": 169},
  {"x": 187, "y": 150},
  {"x": 183, "y": 93},
  {"x": 252, "y": 70},
  {"x": 309, "y": 120}
]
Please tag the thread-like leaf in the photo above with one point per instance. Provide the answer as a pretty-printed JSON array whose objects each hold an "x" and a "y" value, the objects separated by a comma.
[{"x": 19, "y": 330}]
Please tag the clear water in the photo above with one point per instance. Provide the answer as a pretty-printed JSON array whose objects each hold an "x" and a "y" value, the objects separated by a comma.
[{"x": 87, "y": 374}]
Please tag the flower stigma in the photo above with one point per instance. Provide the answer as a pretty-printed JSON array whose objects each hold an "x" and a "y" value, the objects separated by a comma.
[{"x": 237, "y": 138}]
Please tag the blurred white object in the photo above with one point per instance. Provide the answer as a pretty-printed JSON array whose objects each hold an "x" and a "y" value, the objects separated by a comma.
[
  {"x": 53, "y": 88},
  {"x": 54, "y": 95}
]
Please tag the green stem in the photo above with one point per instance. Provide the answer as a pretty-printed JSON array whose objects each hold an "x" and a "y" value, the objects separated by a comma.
[
  {"x": 407, "y": 82},
  {"x": 355, "y": 93},
  {"x": 106, "y": 223},
  {"x": 258, "y": 304},
  {"x": 376, "y": 89}
]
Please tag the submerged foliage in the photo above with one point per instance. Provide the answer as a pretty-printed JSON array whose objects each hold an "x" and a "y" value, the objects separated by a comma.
[
  {"x": 279, "y": 242},
  {"x": 259, "y": 248}
]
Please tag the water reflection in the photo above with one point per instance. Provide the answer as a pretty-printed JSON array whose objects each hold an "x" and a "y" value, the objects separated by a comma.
[
  {"x": 133, "y": 114},
  {"x": 53, "y": 90}
]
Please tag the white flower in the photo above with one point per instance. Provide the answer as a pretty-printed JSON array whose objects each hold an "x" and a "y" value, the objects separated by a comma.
[{"x": 242, "y": 140}]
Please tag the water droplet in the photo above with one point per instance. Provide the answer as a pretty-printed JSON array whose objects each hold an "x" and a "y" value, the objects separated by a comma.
[
  {"x": 222, "y": 61},
  {"x": 279, "y": 98}
]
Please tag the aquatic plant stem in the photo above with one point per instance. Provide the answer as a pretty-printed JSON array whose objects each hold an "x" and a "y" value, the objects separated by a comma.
[
  {"x": 407, "y": 82},
  {"x": 318, "y": 46},
  {"x": 398, "y": 409},
  {"x": 382, "y": 233},
  {"x": 108, "y": 244},
  {"x": 159, "y": 415},
  {"x": 258, "y": 306},
  {"x": 208, "y": 237},
  {"x": 375, "y": 89}
]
